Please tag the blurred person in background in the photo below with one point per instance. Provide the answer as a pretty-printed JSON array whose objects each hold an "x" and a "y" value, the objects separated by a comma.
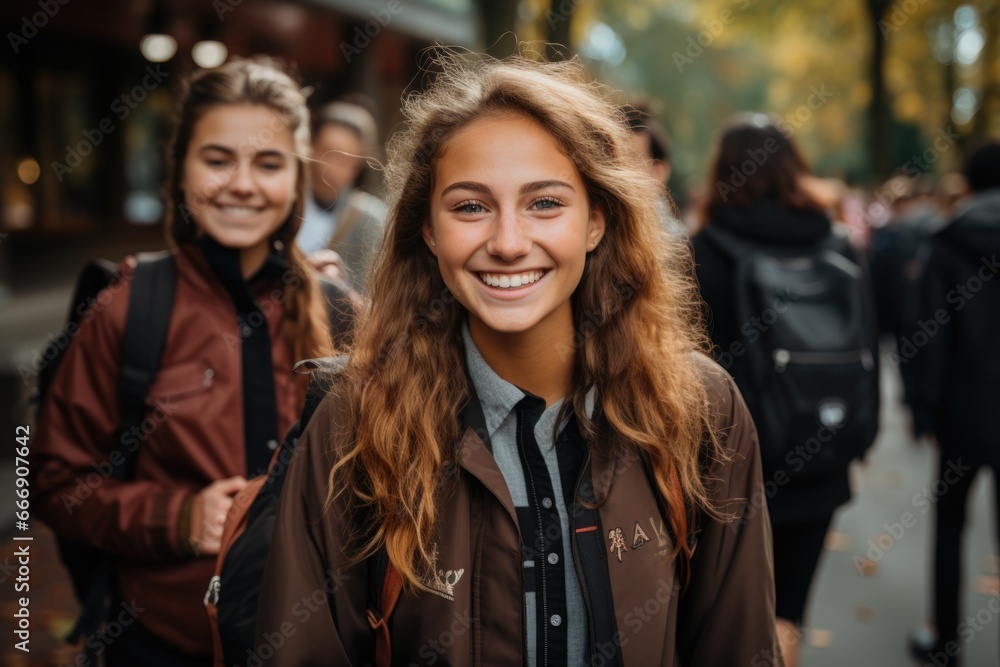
[
  {"x": 955, "y": 391},
  {"x": 914, "y": 216},
  {"x": 765, "y": 219},
  {"x": 247, "y": 306},
  {"x": 653, "y": 145},
  {"x": 846, "y": 206},
  {"x": 694, "y": 206},
  {"x": 950, "y": 191},
  {"x": 340, "y": 217}
]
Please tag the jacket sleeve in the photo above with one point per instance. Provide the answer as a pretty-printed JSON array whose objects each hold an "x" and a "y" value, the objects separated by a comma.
[
  {"x": 727, "y": 614},
  {"x": 312, "y": 607},
  {"x": 78, "y": 430}
]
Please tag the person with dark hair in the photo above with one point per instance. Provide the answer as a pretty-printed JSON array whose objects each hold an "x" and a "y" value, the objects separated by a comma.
[
  {"x": 246, "y": 307},
  {"x": 339, "y": 216},
  {"x": 955, "y": 390},
  {"x": 779, "y": 282},
  {"x": 653, "y": 146},
  {"x": 650, "y": 139}
]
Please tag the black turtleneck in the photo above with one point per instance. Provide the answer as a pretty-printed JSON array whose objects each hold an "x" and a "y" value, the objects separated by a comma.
[{"x": 260, "y": 408}]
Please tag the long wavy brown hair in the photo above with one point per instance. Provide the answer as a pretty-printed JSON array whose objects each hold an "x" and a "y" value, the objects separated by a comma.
[
  {"x": 637, "y": 326},
  {"x": 260, "y": 81}
]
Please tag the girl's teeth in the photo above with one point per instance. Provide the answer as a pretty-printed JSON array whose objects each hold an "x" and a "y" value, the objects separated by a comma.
[
  {"x": 508, "y": 281},
  {"x": 239, "y": 210}
]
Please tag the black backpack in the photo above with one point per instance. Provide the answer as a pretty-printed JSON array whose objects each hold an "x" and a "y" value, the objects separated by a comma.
[
  {"x": 150, "y": 303},
  {"x": 233, "y": 592},
  {"x": 810, "y": 335}
]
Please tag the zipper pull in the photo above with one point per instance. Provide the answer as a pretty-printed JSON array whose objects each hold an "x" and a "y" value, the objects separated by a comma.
[
  {"x": 781, "y": 359},
  {"x": 867, "y": 360},
  {"x": 212, "y": 594}
]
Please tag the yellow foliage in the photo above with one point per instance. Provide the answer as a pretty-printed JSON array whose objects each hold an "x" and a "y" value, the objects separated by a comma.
[
  {"x": 860, "y": 93},
  {"x": 637, "y": 16},
  {"x": 910, "y": 106}
]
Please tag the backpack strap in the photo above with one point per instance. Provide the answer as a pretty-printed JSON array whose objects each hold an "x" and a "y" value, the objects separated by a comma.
[
  {"x": 149, "y": 306},
  {"x": 386, "y": 585},
  {"x": 150, "y": 303}
]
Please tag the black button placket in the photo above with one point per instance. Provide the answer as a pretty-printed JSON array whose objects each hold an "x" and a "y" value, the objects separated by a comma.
[{"x": 543, "y": 544}]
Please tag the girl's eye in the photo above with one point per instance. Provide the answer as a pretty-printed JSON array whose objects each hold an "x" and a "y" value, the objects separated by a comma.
[
  {"x": 272, "y": 166},
  {"x": 216, "y": 162},
  {"x": 470, "y": 207},
  {"x": 546, "y": 204}
]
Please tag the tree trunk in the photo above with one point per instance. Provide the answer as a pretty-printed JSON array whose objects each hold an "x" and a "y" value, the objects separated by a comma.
[
  {"x": 499, "y": 18},
  {"x": 878, "y": 143},
  {"x": 991, "y": 75},
  {"x": 558, "y": 19}
]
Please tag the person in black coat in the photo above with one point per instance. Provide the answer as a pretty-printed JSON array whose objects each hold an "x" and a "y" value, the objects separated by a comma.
[
  {"x": 950, "y": 345},
  {"x": 763, "y": 192}
]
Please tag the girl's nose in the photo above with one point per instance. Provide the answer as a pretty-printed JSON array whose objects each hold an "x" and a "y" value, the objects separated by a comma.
[
  {"x": 241, "y": 181},
  {"x": 510, "y": 238}
]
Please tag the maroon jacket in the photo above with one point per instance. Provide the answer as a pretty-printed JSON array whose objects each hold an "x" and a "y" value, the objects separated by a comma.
[
  {"x": 312, "y": 608},
  {"x": 193, "y": 436}
]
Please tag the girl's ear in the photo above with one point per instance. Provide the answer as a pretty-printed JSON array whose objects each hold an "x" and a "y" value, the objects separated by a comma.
[
  {"x": 427, "y": 231},
  {"x": 595, "y": 227}
]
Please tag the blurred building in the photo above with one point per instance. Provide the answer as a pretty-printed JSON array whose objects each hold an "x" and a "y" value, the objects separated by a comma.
[
  {"x": 83, "y": 114},
  {"x": 86, "y": 92}
]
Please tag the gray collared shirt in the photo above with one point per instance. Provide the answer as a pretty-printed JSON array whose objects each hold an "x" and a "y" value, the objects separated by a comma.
[{"x": 533, "y": 477}]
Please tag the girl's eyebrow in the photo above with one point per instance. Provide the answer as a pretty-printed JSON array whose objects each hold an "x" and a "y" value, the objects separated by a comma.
[
  {"x": 541, "y": 185},
  {"x": 230, "y": 151},
  {"x": 466, "y": 185},
  {"x": 526, "y": 188}
]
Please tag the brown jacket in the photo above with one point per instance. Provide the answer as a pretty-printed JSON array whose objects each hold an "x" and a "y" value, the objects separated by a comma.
[
  {"x": 192, "y": 436},
  {"x": 312, "y": 608}
]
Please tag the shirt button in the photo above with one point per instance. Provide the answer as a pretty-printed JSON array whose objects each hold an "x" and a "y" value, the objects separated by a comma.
[
  {"x": 272, "y": 445},
  {"x": 547, "y": 503},
  {"x": 553, "y": 558},
  {"x": 555, "y": 620}
]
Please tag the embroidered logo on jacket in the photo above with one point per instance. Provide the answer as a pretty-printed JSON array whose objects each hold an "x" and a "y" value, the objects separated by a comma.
[
  {"x": 617, "y": 542},
  {"x": 660, "y": 532},
  {"x": 442, "y": 583},
  {"x": 639, "y": 537}
]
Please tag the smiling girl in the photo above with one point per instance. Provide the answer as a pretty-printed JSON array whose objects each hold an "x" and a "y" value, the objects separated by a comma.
[
  {"x": 246, "y": 307},
  {"x": 526, "y": 426}
]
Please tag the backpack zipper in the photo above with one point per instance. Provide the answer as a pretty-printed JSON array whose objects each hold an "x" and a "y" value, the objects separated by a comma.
[
  {"x": 783, "y": 357},
  {"x": 214, "y": 587}
]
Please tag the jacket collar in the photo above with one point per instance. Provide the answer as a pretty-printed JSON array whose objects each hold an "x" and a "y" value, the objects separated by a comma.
[
  {"x": 482, "y": 414},
  {"x": 475, "y": 457}
]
